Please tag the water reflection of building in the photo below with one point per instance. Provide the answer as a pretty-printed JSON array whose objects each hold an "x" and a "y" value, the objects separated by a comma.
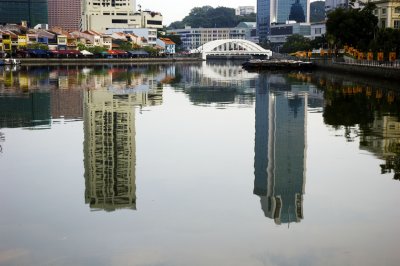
[
  {"x": 383, "y": 139},
  {"x": 109, "y": 145},
  {"x": 280, "y": 150},
  {"x": 25, "y": 109}
]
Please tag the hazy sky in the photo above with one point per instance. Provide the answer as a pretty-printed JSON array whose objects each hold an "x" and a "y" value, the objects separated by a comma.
[{"x": 177, "y": 10}]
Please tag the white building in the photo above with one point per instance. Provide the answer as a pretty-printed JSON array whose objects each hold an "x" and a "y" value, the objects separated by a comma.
[
  {"x": 150, "y": 19},
  {"x": 317, "y": 30},
  {"x": 280, "y": 32},
  {"x": 245, "y": 10},
  {"x": 99, "y": 15},
  {"x": 193, "y": 38}
]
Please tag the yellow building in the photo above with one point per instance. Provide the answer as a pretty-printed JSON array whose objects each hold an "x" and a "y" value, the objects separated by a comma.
[
  {"x": 6, "y": 42},
  {"x": 388, "y": 13},
  {"x": 22, "y": 41}
]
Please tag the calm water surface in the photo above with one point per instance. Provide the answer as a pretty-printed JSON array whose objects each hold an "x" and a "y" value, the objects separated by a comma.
[{"x": 201, "y": 164}]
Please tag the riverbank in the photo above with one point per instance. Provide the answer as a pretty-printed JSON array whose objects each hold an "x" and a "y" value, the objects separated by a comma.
[
  {"x": 102, "y": 61},
  {"x": 375, "y": 71}
]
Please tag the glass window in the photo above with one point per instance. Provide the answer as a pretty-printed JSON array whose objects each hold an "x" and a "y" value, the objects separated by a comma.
[
  {"x": 396, "y": 24},
  {"x": 383, "y": 11}
]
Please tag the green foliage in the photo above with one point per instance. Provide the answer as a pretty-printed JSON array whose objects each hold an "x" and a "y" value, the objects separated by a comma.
[
  {"x": 152, "y": 51},
  {"x": 81, "y": 47},
  {"x": 319, "y": 42},
  {"x": 317, "y": 11},
  {"x": 124, "y": 45},
  {"x": 387, "y": 40},
  {"x": 209, "y": 17},
  {"x": 352, "y": 26},
  {"x": 296, "y": 43},
  {"x": 40, "y": 46},
  {"x": 358, "y": 28},
  {"x": 96, "y": 49}
]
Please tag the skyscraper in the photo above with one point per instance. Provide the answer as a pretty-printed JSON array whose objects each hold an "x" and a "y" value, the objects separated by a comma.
[
  {"x": 15, "y": 11},
  {"x": 280, "y": 145},
  {"x": 65, "y": 14},
  {"x": 279, "y": 11}
]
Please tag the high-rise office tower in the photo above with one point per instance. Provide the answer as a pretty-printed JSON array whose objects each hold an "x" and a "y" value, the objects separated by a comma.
[
  {"x": 280, "y": 151},
  {"x": 32, "y": 11},
  {"x": 65, "y": 14},
  {"x": 100, "y": 15},
  {"x": 280, "y": 11}
]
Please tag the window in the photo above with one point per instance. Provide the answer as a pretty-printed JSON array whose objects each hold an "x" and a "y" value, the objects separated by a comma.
[
  {"x": 396, "y": 24},
  {"x": 383, "y": 11},
  {"x": 397, "y": 10},
  {"x": 119, "y": 21},
  {"x": 383, "y": 23}
]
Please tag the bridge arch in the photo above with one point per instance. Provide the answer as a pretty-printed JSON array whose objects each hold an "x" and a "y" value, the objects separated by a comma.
[{"x": 231, "y": 47}]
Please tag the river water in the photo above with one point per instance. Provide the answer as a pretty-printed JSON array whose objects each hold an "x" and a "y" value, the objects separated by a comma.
[{"x": 197, "y": 164}]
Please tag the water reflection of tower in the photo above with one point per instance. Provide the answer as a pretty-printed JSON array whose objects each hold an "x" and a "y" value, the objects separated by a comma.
[
  {"x": 280, "y": 145},
  {"x": 109, "y": 145},
  {"x": 109, "y": 124}
]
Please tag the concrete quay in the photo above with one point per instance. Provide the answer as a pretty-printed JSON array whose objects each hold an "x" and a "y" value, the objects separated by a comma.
[{"x": 362, "y": 68}]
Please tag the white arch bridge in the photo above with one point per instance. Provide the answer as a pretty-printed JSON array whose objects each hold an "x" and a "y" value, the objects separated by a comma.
[{"x": 231, "y": 47}]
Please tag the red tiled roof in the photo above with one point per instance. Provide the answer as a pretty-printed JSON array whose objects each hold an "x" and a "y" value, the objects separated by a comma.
[{"x": 167, "y": 40}]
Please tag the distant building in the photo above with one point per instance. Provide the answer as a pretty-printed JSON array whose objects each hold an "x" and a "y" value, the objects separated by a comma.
[
  {"x": 245, "y": 10},
  {"x": 193, "y": 38},
  {"x": 271, "y": 12},
  {"x": 150, "y": 19},
  {"x": 65, "y": 14},
  {"x": 250, "y": 30},
  {"x": 317, "y": 29},
  {"x": 149, "y": 36},
  {"x": 280, "y": 32},
  {"x": 167, "y": 44},
  {"x": 333, "y": 4},
  {"x": 101, "y": 15},
  {"x": 15, "y": 11}
]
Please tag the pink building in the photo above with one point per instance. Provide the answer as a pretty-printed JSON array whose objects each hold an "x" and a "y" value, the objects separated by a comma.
[{"x": 65, "y": 14}]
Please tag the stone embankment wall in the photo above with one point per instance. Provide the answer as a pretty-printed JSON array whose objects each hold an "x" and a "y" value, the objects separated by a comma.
[
  {"x": 102, "y": 61},
  {"x": 378, "y": 71}
]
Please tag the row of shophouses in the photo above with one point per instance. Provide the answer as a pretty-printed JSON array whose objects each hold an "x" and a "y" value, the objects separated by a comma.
[{"x": 15, "y": 38}]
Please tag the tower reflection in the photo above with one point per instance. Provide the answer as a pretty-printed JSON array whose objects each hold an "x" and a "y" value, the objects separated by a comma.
[
  {"x": 109, "y": 141},
  {"x": 280, "y": 149}
]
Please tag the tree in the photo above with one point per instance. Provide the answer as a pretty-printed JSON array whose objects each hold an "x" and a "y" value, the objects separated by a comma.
[
  {"x": 40, "y": 46},
  {"x": 296, "y": 43},
  {"x": 352, "y": 26},
  {"x": 387, "y": 40},
  {"x": 209, "y": 17},
  {"x": 319, "y": 42}
]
